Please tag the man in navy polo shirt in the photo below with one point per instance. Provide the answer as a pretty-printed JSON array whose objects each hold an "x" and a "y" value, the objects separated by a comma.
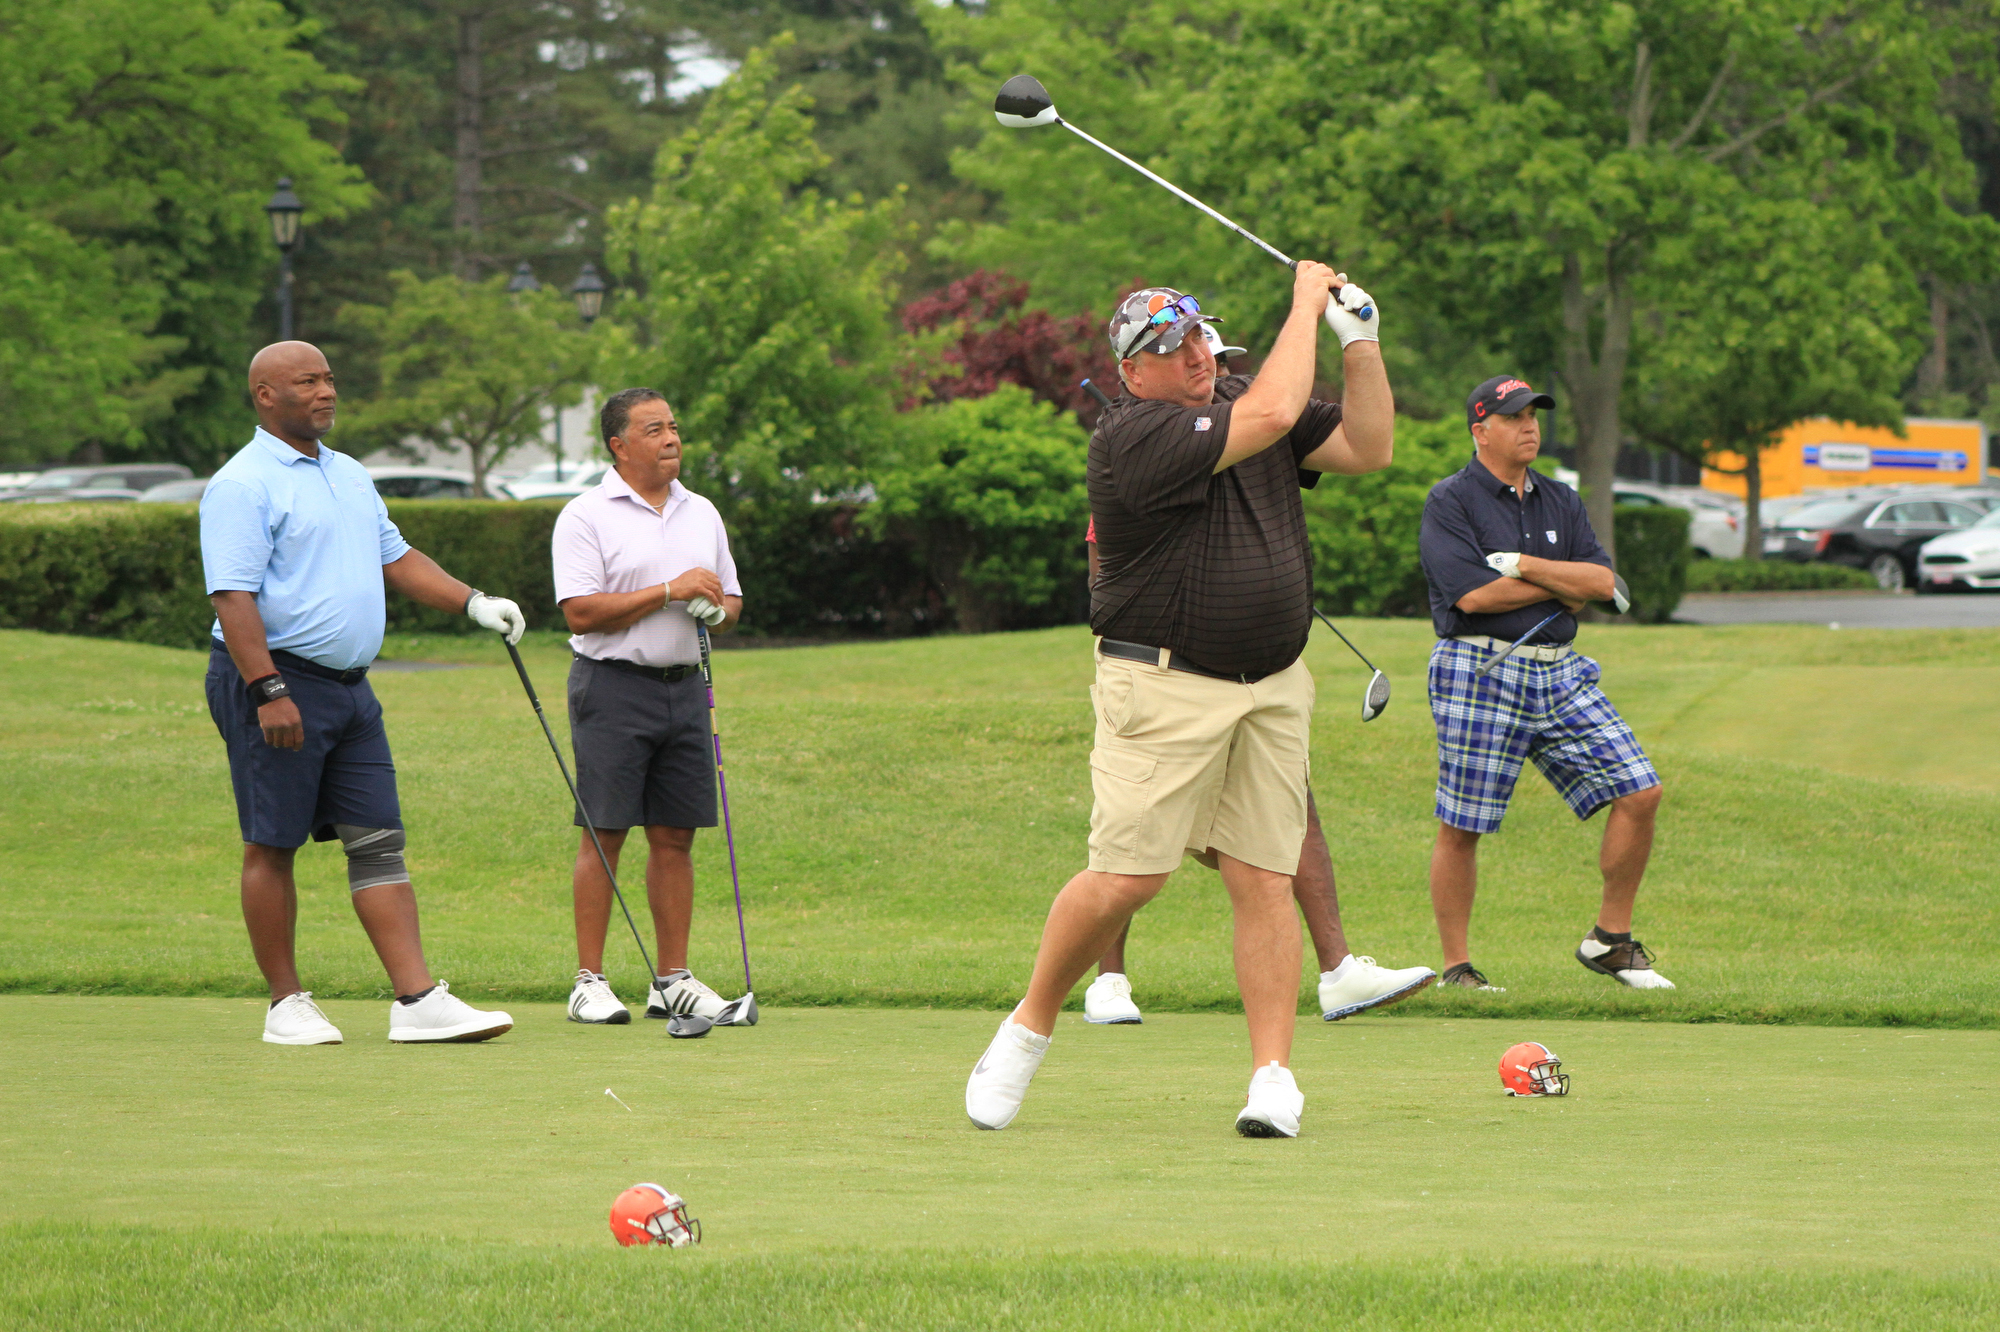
[
  {"x": 1503, "y": 547},
  {"x": 297, "y": 550}
]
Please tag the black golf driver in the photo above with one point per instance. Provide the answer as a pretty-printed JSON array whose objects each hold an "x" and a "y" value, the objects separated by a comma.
[
  {"x": 1024, "y": 103},
  {"x": 682, "y": 1025},
  {"x": 1377, "y": 698},
  {"x": 1621, "y": 601}
]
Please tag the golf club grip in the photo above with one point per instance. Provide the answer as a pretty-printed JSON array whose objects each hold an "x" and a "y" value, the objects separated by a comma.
[
  {"x": 1090, "y": 386},
  {"x": 521, "y": 669}
]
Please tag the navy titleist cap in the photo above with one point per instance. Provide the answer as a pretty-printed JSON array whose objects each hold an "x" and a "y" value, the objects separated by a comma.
[{"x": 1503, "y": 395}]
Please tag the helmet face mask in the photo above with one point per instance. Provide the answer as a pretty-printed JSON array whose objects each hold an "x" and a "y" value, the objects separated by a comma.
[
  {"x": 1532, "y": 1069},
  {"x": 650, "y": 1214}
]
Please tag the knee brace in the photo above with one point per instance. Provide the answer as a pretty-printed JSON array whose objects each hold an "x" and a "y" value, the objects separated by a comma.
[{"x": 374, "y": 856}]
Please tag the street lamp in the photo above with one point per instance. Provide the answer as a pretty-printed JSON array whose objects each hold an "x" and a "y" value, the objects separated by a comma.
[
  {"x": 283, "y": 210},
  {"x": 589, "y": 292},
  {"x": 523, "y": 280}
]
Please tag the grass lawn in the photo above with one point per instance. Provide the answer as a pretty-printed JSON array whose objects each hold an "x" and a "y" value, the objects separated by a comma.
[
  {"x": 166, "y": 1169},
  {"x": 905, "y": 811}
]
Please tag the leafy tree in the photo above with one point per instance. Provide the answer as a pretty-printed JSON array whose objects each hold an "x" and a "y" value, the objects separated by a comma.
[
  {"x": 990, "y": 490},
  {"x": 470, "y": 365},
  {"x": 1787, "y": 312},
  {"x": 138, "y": 143},
  {"x": 758, "y": 307},
  {"x": 989, "y": 340}
]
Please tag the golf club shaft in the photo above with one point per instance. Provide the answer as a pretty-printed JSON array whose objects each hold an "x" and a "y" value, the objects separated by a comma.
[
  {"x": 722, "y": 790},
  {"x": 1342, "y": 637},
  {"x": 1182, "y": 194},
  {"x": 589, "y": 826},
  {"x": 1509, "y": 650}
]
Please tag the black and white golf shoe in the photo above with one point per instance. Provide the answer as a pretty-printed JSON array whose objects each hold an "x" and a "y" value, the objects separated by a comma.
[
  {"x": 591, "y": 1000},
  {"x": 680, "y": 993}
]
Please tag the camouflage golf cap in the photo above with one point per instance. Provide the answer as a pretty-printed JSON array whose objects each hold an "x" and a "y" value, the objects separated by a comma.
[{"x": 1156, "y": 320}]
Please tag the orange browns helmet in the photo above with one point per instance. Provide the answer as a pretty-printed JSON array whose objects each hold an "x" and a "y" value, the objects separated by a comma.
[
  {"x": 649, "y": 1214},
  {"x": 1531, "y": 1069}
]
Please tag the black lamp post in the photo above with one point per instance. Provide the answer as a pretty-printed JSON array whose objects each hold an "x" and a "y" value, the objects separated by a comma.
[
  {"x": 523, "y": 280},
  {"x": 589, "y": 292},
  {"x": 283, "y": 210}
]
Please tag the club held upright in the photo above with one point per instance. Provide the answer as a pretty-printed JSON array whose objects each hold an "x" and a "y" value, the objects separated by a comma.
[
  {"x": 740, "y": 1012},
  {"x": 683, "y": 1025},
  {"x": 1023, "y": 103}
]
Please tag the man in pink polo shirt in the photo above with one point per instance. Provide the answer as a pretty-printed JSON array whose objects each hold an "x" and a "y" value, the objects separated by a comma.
[{"x": 638, "y": 559}]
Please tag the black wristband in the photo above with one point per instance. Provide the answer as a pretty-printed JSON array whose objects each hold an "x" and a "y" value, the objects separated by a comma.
[{"x": 269, "y": 689}]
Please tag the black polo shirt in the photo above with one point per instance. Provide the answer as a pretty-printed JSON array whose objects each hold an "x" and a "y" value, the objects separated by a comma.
[
  {"x": 1214, "y": 565},
  {"x": 1470, "y": 515}
]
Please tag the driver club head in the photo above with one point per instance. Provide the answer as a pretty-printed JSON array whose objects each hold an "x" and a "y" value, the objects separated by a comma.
[
  {"x": 687, "y": 1026},
  {"x": 738, "y": 1012},
  {"x": 1376, "y": 699},
  {"x": 1621, "y": 595},
  {"x": 1024, "y": 103}
]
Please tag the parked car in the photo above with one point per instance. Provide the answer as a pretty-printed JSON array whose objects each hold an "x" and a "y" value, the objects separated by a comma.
[
  {"x": 1967, "y": 560},
  {"x": 1881, "y": 535},
  {"x": 542, "y": 482},
  {"x": 63, "y": 484},
  {"x": 421, "y": 483},
  {"x": 1715, "y": 532},
  {"x": 176, "y": 492}
]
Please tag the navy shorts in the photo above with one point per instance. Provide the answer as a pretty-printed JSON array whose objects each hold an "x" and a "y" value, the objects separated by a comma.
[
  {"x": 644, "y": 752},
  {"x": 285, "y": 797},
  {"x": 1550, "y": 712}
]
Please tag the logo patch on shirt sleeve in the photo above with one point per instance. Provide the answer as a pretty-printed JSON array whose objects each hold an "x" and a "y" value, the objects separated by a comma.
[
  {"x": 1551, "y": 534},
  {"x": 1201, "y": 423}
]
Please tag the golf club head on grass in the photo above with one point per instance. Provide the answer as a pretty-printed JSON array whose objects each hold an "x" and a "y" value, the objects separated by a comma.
[
  {"x": 738, "y": 1012},
  {"x": 687, "y": 1026},
  {"x": 1376, "y": 699},
  {"x": 1024, "y": 103},
  {"x": 1621, "y": 595}
]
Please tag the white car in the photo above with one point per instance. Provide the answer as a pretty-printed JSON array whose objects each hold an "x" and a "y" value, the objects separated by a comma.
[
  {"x": 1969, "y": 559},
  {"x": 421, "y": 483},
  {"x": 1716, "y": 533},
  {"x": 541, "y": 482}
]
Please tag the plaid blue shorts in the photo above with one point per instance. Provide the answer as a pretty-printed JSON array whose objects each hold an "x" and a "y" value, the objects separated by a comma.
[{"x": 1549, "y": 711}]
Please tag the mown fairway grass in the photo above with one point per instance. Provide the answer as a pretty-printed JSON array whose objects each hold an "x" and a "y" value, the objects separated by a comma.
[
  {"x": 166, "y": 1169},
  {"x": 905, "y": 810}
]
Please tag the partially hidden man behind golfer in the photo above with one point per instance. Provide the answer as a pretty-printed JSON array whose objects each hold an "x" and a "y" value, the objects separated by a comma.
[
  {"x": 1204, "y": 709},
  {"x": 638, "y": 559},
  {"x": 1502, "y": 548},
  {"x": 297, "y": 550}
]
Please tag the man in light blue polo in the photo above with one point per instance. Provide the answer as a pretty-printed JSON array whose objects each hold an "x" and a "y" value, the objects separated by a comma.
[{"x": 297, "y": 550}]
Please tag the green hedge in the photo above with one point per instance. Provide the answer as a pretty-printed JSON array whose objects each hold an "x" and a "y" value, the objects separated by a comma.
[
  {"x": 1772, "y": 576},
  {"x": 1652, "y": 542}
]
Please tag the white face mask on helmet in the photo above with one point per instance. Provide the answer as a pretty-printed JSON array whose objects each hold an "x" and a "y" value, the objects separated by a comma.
[{"x": 650, "y": 1214}]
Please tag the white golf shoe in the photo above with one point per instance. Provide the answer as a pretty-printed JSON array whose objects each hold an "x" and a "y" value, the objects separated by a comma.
[
  {"x": 296, "y": 1020},
  {"x": 1108, "y": 1001},
  {"x": 1000, "y": 1079},
  {"x": 679, "y": 993},
  {"x": 442, "y": 1016},
  {"x": 1357, "y": 985},
  {"x": 1274, "y": 1104},
  {"x": 591, "y": 1000},
  {"x": 1628, "y": 963}
]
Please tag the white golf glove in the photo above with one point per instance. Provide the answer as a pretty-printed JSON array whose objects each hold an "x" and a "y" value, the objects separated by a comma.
[
  {"x": 1507, "y": 563},
  {"x": 1342, "y": 318},
  {"x": 498, "y": 614},
  {"x": 707, "y": 611}
]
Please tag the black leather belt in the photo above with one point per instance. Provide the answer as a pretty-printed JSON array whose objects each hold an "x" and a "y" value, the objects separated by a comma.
[
  {"x": 1112, "y": 647},
  {"x": 662, "y": 674},
  {"x": 291, "y": 661}
]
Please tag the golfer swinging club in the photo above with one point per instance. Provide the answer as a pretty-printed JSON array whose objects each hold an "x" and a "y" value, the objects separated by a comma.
[
  {"x": 1503, "y": 547},
  {"x": 638, "y": 559},
  {"x": 1204, "y": 709},
  {"x": 296, "y": 549},
  {"x": 1348, "y": 983}
]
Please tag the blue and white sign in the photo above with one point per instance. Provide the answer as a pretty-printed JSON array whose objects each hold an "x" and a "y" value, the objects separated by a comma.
[{"x": 1861, "y": 458}]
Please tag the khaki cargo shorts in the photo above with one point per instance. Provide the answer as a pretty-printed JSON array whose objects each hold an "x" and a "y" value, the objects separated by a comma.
[{"x": 1184, "y": 764}]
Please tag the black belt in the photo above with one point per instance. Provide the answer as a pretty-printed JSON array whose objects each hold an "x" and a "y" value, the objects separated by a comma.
[
  {"x": 662, "y": 674},
  {"x": 291, "y": 661},
  {"x": 1111, "y": 647}
]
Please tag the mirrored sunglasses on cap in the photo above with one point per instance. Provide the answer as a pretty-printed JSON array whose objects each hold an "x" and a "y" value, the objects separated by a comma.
[{"x": 1187, "y": 307}]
